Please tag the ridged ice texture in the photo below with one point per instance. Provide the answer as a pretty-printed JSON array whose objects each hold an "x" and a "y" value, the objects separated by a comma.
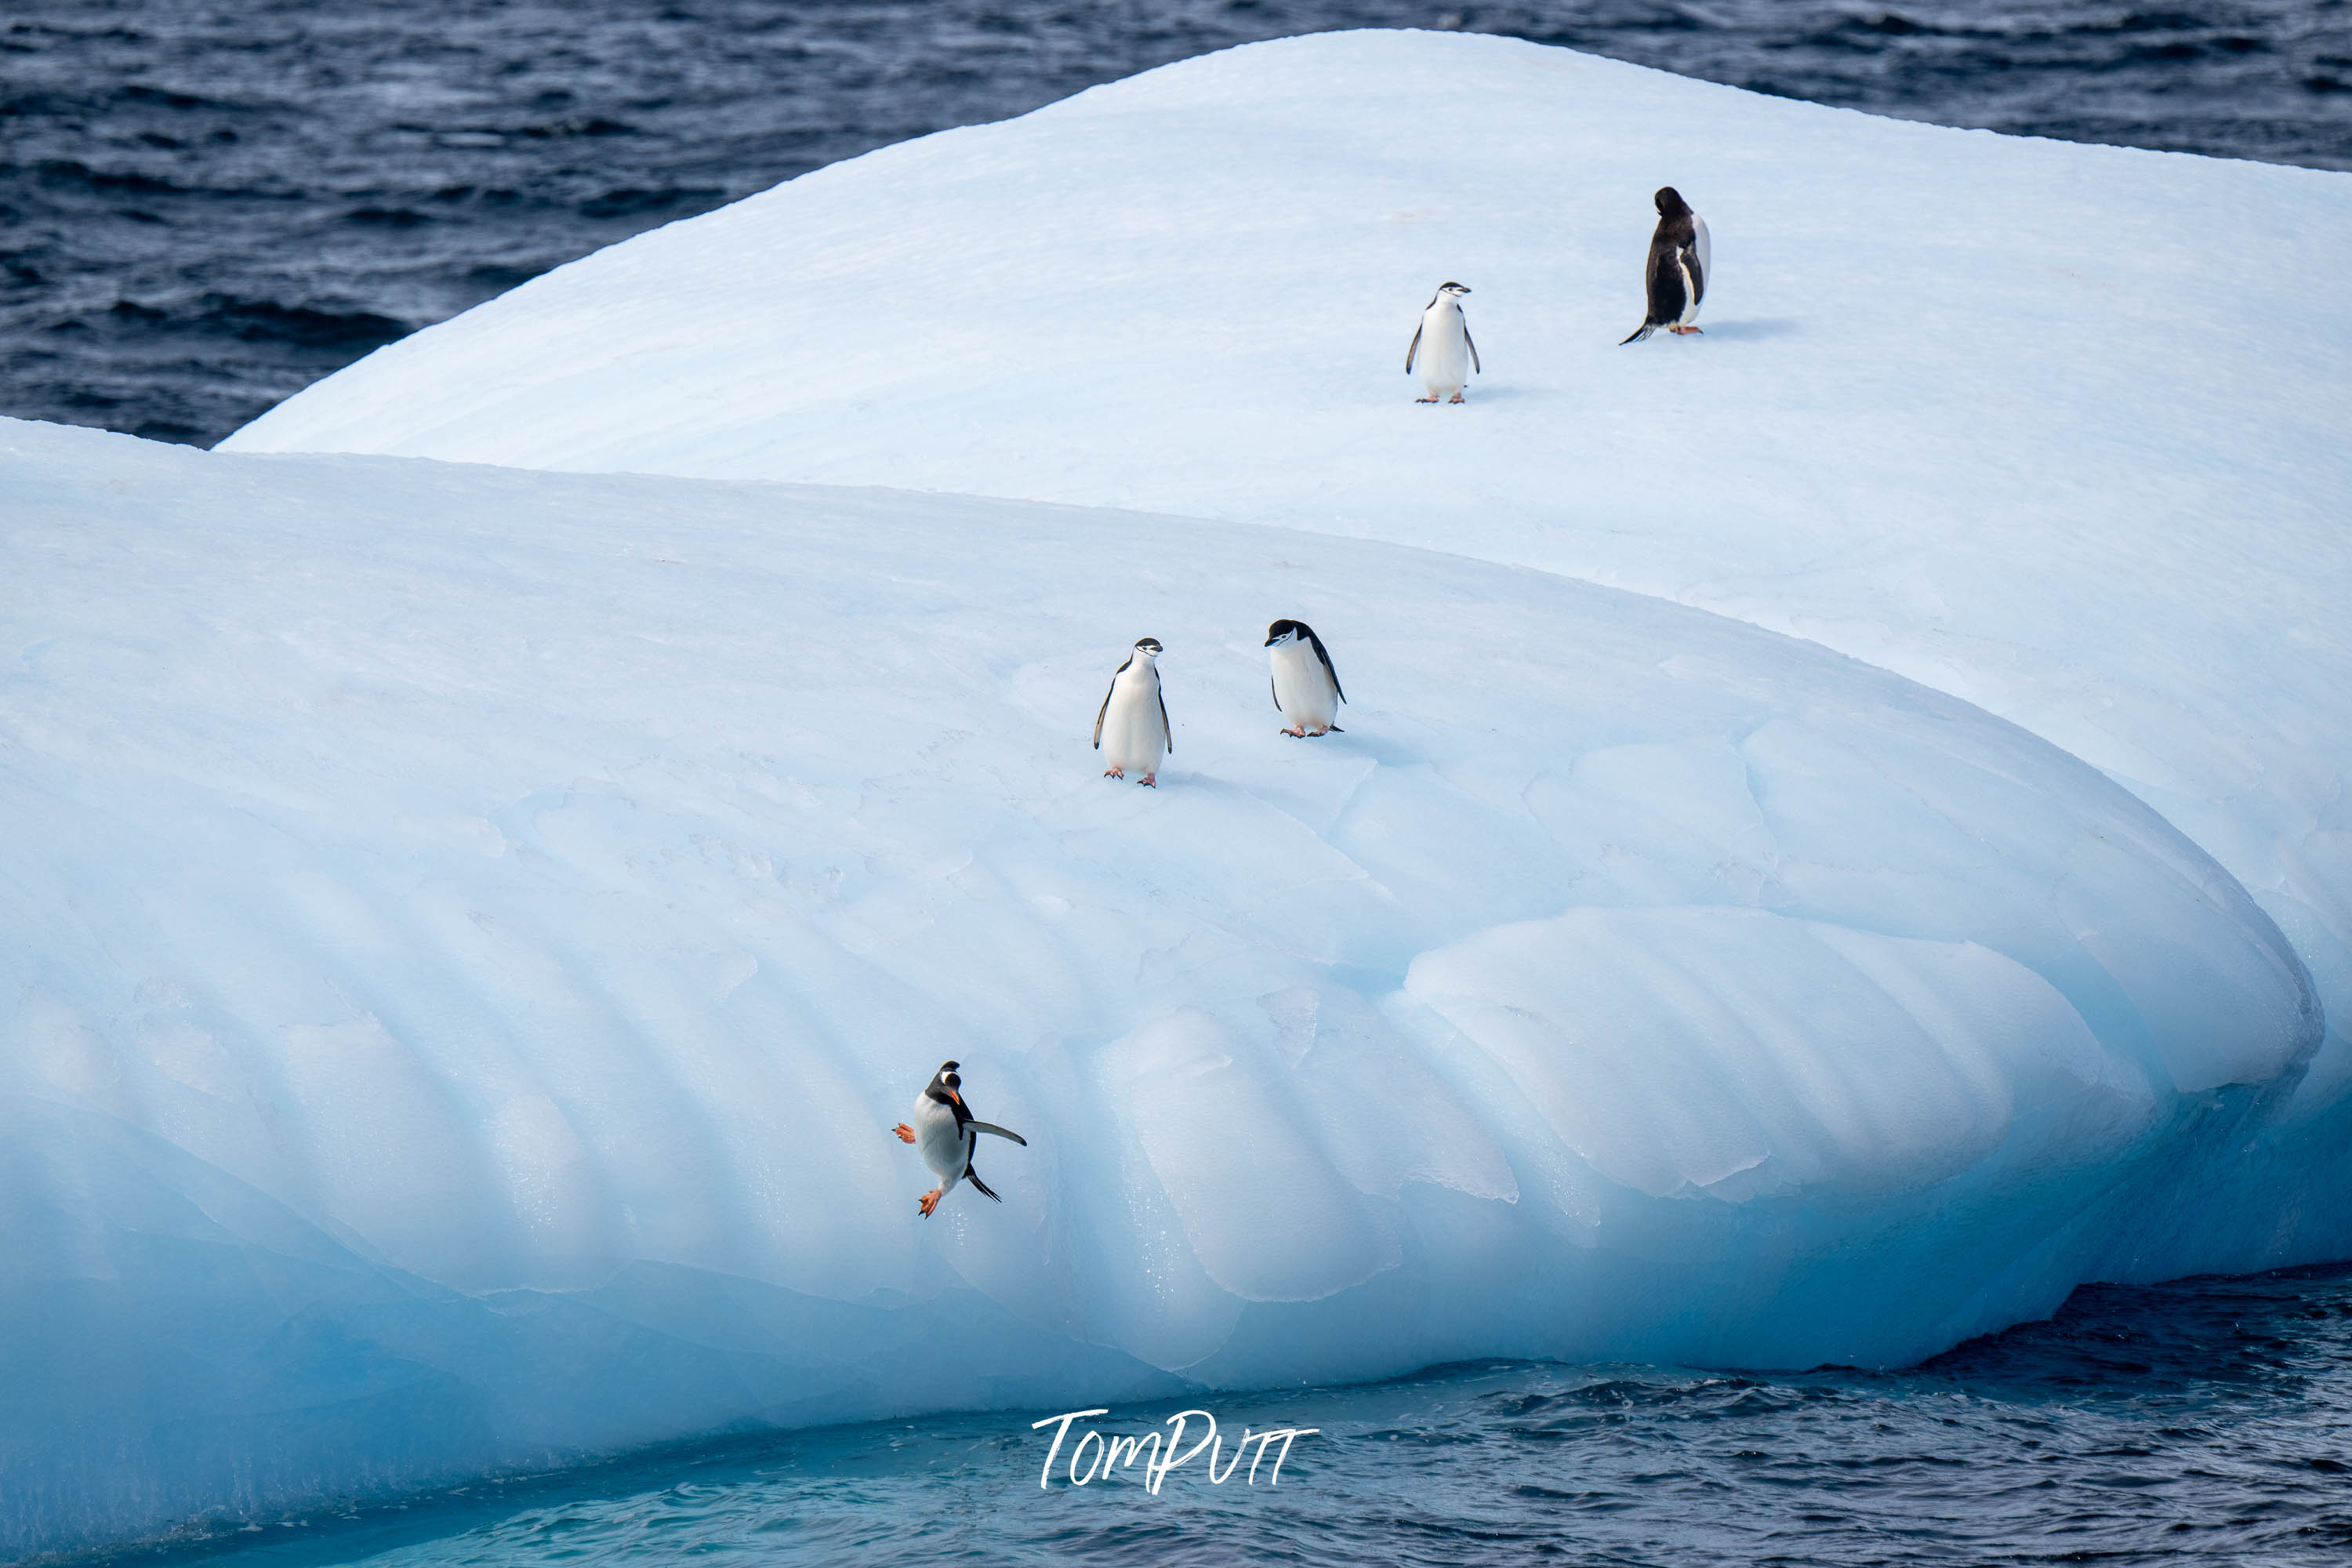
[
  {"x": 2054, "y": 429},
  {"x": 469, "y": 931}
]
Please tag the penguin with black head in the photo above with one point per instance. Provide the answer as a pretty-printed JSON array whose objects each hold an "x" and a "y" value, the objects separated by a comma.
[
  {"x": 945, "y": 1131},
  {"x": 1305, "y": 687},
  {"x": 1678, "y": 268}
]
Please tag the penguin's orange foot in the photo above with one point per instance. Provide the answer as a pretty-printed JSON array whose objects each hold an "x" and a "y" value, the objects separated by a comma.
[
  {"x": 1296, "y": 734},
  {"x": 1684, "y": 332},
  {"x": 1325, "y": 731},
  {"x": 929, "y": 1202},
  {"x": 1431, "y": 399},
  {"x": 1114, "y": 772},
  {"x": 1457, "y": 397},
  {"x": 1149, "y": 780},
  {"x": 906, "y": 1133}
]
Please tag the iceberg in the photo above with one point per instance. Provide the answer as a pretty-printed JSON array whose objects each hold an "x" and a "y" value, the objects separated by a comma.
[{"x": 1837, "y": 844}]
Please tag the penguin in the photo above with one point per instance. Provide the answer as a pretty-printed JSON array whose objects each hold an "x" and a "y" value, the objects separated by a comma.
[
  {"x": 1305, "y": 687},
  {"x": 1442, "y": 347},
  {"x": 1134, "y": 717},
  {"x": 945, "y": 1131},
  {"x": 1678, "y": 267}
]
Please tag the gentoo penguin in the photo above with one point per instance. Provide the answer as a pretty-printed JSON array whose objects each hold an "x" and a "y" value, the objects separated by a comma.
[
  {"x": 1134, "y": 717},
  {"x": 945, "y": 1131},
  {"x": 1305, "y": 687},
  {"x": 1442, "y": 346},
  {"x": 1678, "y": 267}
]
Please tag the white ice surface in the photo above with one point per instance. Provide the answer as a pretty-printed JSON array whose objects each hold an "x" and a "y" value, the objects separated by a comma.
[
  {"x": 2063, "y": 430},
  {"x": 468, "y": 929}
]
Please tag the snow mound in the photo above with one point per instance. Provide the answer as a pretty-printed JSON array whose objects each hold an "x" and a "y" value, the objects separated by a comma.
[
  {"x": 471, "y": 930},
  {"x": 2058, "y": 429}
]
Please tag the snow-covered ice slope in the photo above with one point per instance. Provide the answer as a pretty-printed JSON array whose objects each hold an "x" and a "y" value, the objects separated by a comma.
[
  {"x": 2063, "y": 430},
  {"x": 467, "y": 932}
]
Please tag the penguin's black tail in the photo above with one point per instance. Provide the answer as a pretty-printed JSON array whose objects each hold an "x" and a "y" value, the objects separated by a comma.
[
  {"x": 973, "y": 1177},
  {"x": 1646, "y": 329}
]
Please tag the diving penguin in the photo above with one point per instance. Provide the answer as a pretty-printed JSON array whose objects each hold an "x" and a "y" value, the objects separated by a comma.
[
  {"x": 1442, "y": 346},
  {"x": 1305, "y": 687},
  {"x": 1133, "y": 717},
  {"x": 1678, "y": 267},
  {"x": 945, "y": 1131}
]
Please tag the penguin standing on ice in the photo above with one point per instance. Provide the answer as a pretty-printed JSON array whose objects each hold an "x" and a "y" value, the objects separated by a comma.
[
  {"x": 1442, "y": 346},
  {"x": 1305, "y": 687},
  {"x": 1678, "y": 265},
  {"x": 945, "y": 1131},
  {"x": 1133, "y": 719}
]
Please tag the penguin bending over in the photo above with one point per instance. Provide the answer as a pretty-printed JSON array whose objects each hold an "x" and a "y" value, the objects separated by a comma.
[
  {"x": 1678, "y": 267},
  {"x": 945, "y": 1131},
  {"x": 1442, "y": 346},
  {"x": 1134, "y": 717},
  {"x": 1305, "y": 687}
]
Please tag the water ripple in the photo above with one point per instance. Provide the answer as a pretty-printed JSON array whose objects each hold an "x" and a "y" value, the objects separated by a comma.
[{"x": 389, "y": 162}]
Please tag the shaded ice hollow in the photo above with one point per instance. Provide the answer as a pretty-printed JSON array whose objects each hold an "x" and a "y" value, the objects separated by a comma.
[{"x": 471, "y": 927}]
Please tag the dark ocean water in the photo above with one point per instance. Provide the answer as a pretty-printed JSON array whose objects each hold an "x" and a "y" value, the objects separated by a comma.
[
  {"x": 205, "y": 206},
  {"x": 2208, "y": 1421}
]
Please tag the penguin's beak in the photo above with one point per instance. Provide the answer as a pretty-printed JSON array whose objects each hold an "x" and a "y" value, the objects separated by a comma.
[{"x": 954, "y": 1096}]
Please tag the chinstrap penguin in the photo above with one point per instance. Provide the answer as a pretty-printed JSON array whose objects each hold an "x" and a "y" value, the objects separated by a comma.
[
  {"x": 1678, "y": 267},
  {"x": 1442, "y": 346},
  {"x": 945, "y": 1131},
  {"x": 1305, "y": 687},
  {"x": 1131, "y": 727}
]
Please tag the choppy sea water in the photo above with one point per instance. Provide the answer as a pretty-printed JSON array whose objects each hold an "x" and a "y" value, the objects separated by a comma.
[
  {"x": 2208, "y": 1421},
  {"x": 205, "y": 207}
]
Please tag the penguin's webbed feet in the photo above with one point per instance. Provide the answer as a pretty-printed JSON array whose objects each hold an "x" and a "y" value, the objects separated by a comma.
[
  {"x": 1114, "y": 772},
  {"x": 1684, "y": 332},
  {"x": 1149, "y": 780},
  {"x": 1431, "y": 399},
  {"x": 906, "y": 1133},
  {"x": 1457, "y": 397},
  {"x": 930, "y": 1201},
  {"x": 1296, "y": 734}
]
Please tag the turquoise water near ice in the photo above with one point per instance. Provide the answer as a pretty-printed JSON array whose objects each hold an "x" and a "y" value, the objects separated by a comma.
[{"x": 2204, "y": 1421}]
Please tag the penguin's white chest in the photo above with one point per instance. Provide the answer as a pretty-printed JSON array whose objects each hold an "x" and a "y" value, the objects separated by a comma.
[
  {"x": 1444, "y": 362},
  {"x": 1694, "y": 287},
  {"x": 944, "y": 1149},
  {"x": 1135, "y": 731},
  {"x": 1303, "y": 687}
]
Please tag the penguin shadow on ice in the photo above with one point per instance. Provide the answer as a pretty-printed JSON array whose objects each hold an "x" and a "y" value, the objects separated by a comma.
[
  {"x": 1674, "y": 277},
  {"x": 946, "y": 1132},
  {"x": 1131, "y": 727},
  {"x": 1442, "y": 348}
]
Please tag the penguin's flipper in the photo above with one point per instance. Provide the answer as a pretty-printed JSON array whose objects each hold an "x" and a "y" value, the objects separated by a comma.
[
  {"x": 1325, "y": 655},
  {"x": 973, "y": 1177},
  {"x": 1167, "y": 731},
  {"x": 1412, "y": 348},
  {"x": 1000, "y": 1131},
  {"x": 1102, "y": 712},
  {"x": 1474, "y": 348},
  {"x": 1695, "y": 272},
  {"x": 1277, "y": 690},
  {"x": 1644, "y": 331}
]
